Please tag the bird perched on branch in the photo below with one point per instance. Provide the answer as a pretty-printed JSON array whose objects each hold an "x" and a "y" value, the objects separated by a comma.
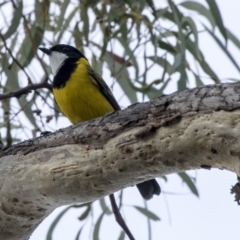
[{"x": 82, "y": 94}]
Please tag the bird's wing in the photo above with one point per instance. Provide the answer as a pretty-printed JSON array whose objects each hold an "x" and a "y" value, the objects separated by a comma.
[{"x": 103, "y": 87}]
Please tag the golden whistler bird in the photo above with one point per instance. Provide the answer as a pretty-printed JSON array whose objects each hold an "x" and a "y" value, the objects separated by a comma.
[{"x": 82, "y": 94}]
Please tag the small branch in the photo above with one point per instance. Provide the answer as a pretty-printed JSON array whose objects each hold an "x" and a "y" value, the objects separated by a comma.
[
  {"x": 14, "y": 59},
  {"x": 18, "y": 93},
  {"x": 148, "y": 223},
  {"x": 119, "y": 217}
]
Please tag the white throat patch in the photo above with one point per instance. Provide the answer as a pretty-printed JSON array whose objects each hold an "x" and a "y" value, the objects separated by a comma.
[{"x": 56, "y": 61}]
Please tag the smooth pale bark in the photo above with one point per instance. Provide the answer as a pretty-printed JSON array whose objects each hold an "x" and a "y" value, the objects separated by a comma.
[{"x": 187, "y": 130}]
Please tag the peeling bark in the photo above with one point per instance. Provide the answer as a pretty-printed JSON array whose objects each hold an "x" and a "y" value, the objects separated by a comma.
[{"x": 182, "y": 131}]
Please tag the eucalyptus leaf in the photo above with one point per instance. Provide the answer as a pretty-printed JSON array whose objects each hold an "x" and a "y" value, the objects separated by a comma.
[
  {"x": 217, "y": 16},
  {"x": 186, "y": 179},
  {"x": 61, "y": 30},
  {"x": 203, "y": 63},
  {"x": 97, "y": 227},
  {"x": 104, "y": 206},
  {"x": 201, "y": 9},
  {"x": 233, "y": 38},
  {"x": 79, "y": 233},
  {"x": 182, "y": 82},
  {"x": 122, "y": 76},
  {"x": 58, "y": 218},
  {"x": 84, "y": 16},
  {"x": 17, "y": 15},
  {"x": 194, "y": 31},
  {"x": 61, "y": 17},
  {"x": 198, "y": 81},
  {"x": 223, "y": 47},
  {"x": 147, "y": 213},
  {"x": 121, "y": 236},
  {"x": 163, "y": 62},
  {"x": 30, "y": 44}
]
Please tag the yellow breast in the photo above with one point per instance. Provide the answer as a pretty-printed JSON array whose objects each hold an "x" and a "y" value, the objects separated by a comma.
[{"x": 80, "y": 99}]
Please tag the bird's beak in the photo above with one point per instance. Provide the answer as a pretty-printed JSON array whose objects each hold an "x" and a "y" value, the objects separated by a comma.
[{"x": 45, "y": 50}]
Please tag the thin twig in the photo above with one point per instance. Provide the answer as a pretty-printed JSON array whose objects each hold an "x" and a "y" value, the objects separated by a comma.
[
  {"x": 148, "y": 223},
  {"x": 18, "y": 93},
  {"x": 119, "y": 218},
  {"x": 14, "y": 59},
  {"x": 120, "y": 199}
]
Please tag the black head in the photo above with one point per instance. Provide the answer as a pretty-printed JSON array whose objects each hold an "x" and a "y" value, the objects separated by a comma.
[
  {"x": 59, "y": 54},
  {"x": 65, "y": 49},
  {"x": 68, "y": 50}
]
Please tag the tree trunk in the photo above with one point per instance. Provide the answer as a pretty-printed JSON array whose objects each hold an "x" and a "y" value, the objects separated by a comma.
[{"x": 186, "y": 130}]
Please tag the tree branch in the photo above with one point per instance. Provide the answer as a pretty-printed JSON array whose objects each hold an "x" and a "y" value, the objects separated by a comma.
[
  {"x": 186, "y": 130},
  {"x": 14, "y": 59},
  {"x": 119, "y": 218},
  {"x": 18, "y": 93}
]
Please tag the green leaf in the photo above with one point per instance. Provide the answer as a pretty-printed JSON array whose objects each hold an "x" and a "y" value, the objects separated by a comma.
[
  {"x": 66, "y": 24},
  {"x": 184, "y": 176},
  {"x": 104, "y": 206},
  {"x": 201, "y": 9},
  {"x": 121, "y": 236},
  {"x": 78, "y": 36},
  {"x": 85, "y": 213},
  {"x": 97, "y": 64},
  {"x": 151, "y": 5},
  {"x": 17, "y": 14},
  {"x": 11, "y": 85},
  {"x": 97, "y": 227},
  {"x": 13, "y": 42},
  {"x": 198, "y": 80},
  {"x": 217, "y": 16},
  {"x": 61, "y": 17},
  {"x": 164, "y": 178},
  {"x": 41, "y": 10},
  {"x": 85, "y": 19},
  {"x": 153, "y": 93},
  {"x": 223, "y": 47},
  {"x": 163, "y": 62},
  {"x": 177, "y": 16},
  {"x": 30, "y": 44},
  {"x": 178, "y": 61},
  {"x": 167, "y": 46},
  {"x": 200, "y": 58},
  {"x": 160, "y": 91},
  {"x": 233, "y": 38},
  {"x": 193, "y": 27},
  {"x": 130, "y": 53},
  {"x": 121, "y": 74},
  {"x": 60, "y": 215},
  {"x": 182, "y": 82},
  {"x": 160, "y": 13},
  {"x": 147, "y": 213},
  {"x": 79, "y": 233}
]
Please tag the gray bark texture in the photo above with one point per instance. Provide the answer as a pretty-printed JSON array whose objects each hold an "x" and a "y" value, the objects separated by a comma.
[{"x": 182, "y": 131}]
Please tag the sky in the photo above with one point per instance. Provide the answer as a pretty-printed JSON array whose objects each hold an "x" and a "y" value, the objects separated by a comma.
[{"x": 214, "y": 215}]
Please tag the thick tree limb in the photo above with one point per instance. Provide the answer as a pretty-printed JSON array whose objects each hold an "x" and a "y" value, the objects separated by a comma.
[{"x": 182, "y": 131}]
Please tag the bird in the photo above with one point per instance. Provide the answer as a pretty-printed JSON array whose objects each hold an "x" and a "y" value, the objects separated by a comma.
[{"x": 82, "y": 94}]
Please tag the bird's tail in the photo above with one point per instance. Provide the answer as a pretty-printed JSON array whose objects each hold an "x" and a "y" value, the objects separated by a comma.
[{"x": 149, "y": 188}]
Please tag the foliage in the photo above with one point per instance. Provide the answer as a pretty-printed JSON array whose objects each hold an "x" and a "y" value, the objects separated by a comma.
[{"x": 128, "y": 40}]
